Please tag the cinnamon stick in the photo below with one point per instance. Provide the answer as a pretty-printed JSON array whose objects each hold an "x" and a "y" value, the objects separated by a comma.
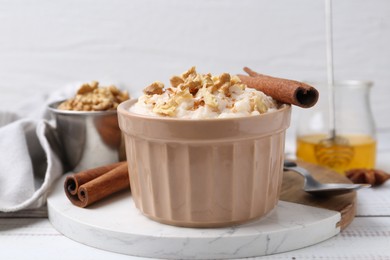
[
  {"x": 283, "y": 90},
  {"x": 87, "y": 187}
]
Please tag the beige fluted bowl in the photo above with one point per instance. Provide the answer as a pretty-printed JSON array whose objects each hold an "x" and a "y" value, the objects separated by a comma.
[{"x": 204, "y": 173}]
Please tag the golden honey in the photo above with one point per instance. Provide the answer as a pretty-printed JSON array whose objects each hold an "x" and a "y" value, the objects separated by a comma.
[{"x": 343, "y": 153}]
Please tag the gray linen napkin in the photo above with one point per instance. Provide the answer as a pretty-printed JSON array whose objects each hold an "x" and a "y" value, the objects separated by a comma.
[
  {"x": 29, "y": 153},
  {"x": 28, "y": 164}
]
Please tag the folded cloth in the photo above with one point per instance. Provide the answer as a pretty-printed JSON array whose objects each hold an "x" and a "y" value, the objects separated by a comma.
[{"x": 30, "y": 160}]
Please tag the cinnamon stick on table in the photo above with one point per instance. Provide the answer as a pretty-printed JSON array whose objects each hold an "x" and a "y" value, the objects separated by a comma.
[
  {"x": 87, "y": 187},
  {"x": 283, "y": 90}
]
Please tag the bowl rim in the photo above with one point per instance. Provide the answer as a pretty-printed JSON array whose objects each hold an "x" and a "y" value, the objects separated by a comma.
[
  {"x": 125, "y": 111},
  {"x": 53, "y": 107}
]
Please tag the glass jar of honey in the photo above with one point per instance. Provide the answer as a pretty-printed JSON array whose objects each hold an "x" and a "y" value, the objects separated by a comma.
[{"x": 351, "y": 142}]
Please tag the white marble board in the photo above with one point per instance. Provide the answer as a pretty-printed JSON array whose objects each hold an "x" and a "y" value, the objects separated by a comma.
[{"x": 115, "y": 224}]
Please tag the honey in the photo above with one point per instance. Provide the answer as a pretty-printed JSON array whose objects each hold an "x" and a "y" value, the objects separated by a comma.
[{"x": 344, "y": 153}]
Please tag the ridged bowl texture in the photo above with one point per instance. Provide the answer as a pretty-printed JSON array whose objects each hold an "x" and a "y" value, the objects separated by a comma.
[{"x": 204, "y": 173}]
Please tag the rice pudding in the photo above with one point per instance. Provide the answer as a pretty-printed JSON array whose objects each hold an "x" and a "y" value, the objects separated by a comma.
[{"x": 200, "y": 96}]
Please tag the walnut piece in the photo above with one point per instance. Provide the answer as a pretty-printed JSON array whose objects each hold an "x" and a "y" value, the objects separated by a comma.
[
  {"x": 166, "y": 108},
  {"x": 374, "y": 177},
  {"x": 176, "y": 81},
  {"x": 156, "y": 87},
  {"x": 91, "y": 97}
]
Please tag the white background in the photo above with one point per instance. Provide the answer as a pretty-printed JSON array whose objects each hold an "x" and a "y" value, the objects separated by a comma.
[{"x": 45, "y": 45}]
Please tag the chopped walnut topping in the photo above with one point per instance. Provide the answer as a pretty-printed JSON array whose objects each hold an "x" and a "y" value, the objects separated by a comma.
[
  {"x": 198, "y": 103},
  {"x": 207, "y": 80},
  {"x": 235, "y": 80},
  {"x": 210, "y": 99},
  {"x": 176, "y": 81},
  {"x": 258, "y": 104},
  {"x": 91, "y": 97},
  {"x": 224, "y": 78},
  {"x": 192, "y": 86},
  {"x": 156, "y": 87},
  {"x": 166, "y": 108},
  {"x": 85, "y": 88},
  {"x": 374, "y": 177},
  {"x": 205, "y": 93},
  {"x": 189, "y": 72}
]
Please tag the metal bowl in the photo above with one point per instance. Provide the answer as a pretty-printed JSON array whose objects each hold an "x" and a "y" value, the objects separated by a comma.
[{"x": 88, "y": 138}]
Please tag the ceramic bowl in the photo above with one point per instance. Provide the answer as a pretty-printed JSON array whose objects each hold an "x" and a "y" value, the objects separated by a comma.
[{"x": 208, "y": 172}]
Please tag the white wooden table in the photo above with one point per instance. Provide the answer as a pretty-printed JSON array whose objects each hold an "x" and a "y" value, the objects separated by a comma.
[{"x": 31, "y": 236}]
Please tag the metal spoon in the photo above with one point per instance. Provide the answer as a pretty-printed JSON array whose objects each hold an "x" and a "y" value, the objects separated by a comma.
[{"x": 314, "y": 187}]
